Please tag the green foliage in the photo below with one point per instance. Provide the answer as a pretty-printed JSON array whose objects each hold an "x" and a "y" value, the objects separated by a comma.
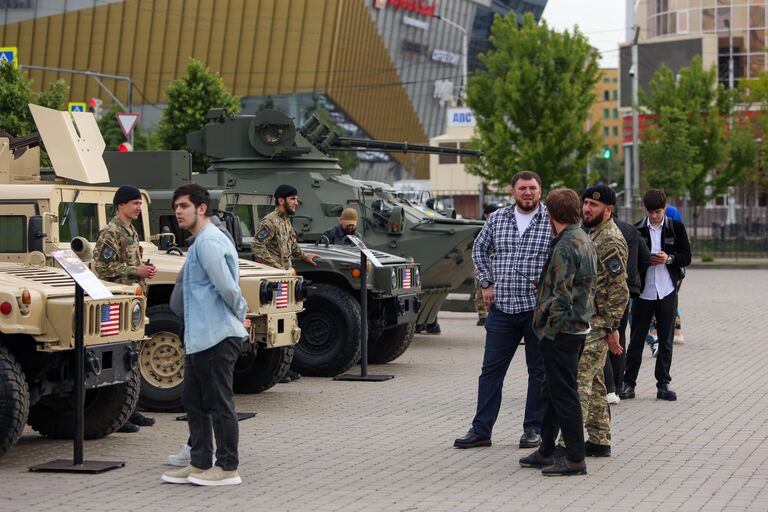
[
  {"x": 607, "y": 170},
  {"x": 15, "y": 96},
  {"x": 189, "y": 99},
  {"x": 532, "y": 101},
  {"x": 348, "y": 160},
  {"x": 113, "y": 135}
]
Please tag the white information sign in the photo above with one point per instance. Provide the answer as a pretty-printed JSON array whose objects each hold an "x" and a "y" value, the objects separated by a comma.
[
  {"x": 360, "y": 245},
  {"x": 459, "y": 116},
  {"x": 82, "y": 275}
]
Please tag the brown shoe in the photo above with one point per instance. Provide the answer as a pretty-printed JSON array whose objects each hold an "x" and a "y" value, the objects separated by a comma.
[
  {"x": 536, "y": 460},
  {"x": 565, "y": 467}
]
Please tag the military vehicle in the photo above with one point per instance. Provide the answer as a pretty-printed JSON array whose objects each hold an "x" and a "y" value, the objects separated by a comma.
[
  {"x": 73, "y": 212},
  {"x": 330, "y": 323},
  {"x": 260, "y": 152}
]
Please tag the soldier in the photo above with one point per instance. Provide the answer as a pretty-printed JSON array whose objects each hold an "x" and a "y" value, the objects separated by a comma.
[
  {"x": 347, "y": 226},
  {"x": 117, "y": 258},
  {"x": 275, "y": 241},
  {"x": 611, "y": 297}
]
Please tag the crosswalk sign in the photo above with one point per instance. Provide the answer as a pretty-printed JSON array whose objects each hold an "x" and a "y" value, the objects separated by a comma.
[
  {"x": 76, "y": 106},
  {"x": 8, "y": 54}
]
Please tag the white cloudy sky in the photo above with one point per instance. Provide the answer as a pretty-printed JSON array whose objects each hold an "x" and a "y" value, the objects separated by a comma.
[{"x": 602, "y": 21}]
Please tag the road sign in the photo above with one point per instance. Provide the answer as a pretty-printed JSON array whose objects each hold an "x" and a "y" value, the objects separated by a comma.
[
  {"x": 76, "y": 106},
  {"x": 127, "y": 122},
  {"x": 8, "y": 54}
]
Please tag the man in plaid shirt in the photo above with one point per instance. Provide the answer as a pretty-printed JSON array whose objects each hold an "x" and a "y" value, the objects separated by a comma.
[{"x": 509, "y": 254}]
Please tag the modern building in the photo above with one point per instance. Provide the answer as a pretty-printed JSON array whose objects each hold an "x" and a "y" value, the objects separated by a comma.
[
  {"x": 385, "y": 69},
  {"x": 605, "y": 111}
]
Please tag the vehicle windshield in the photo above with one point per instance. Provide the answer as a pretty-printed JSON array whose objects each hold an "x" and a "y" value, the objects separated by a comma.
[
  {"x": 83, "y": 220},
  {"x": 13, "y": 237}
]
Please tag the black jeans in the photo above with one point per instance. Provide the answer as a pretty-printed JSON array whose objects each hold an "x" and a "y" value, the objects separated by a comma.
[
  {"x": 642, "y": 312},
  {"x": 562, "y": 410},
  {"x": 615, "y": 364},
  {"x": 503, "y": 334},
  {"x": 209, "y": 401}
]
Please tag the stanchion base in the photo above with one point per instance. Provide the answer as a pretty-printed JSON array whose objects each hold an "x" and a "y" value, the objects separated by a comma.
[
  {"x": 364, "y": 378},
  {"x": 68, "y": 466}
]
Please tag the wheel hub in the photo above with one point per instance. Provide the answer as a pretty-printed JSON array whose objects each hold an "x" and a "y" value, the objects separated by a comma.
[
  {"x": 161, "y": 360},
  {"x": 317, "y": 333}
]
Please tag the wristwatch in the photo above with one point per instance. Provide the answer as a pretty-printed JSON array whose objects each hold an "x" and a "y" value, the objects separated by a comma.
[
  {"x": 485, "y": 284},
  {"x": 669, "y": 259}
]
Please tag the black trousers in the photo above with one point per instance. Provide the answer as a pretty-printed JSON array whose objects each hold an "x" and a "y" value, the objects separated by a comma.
[
  {"x": 562, "y": 410},
  {"x": 210, "y": 404},
  {"x": 615, "y": 364},
  {"x": 642, "y": 312}
]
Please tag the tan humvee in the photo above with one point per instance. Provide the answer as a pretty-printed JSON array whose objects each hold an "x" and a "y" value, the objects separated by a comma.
[{"x": 63, "y": 212}]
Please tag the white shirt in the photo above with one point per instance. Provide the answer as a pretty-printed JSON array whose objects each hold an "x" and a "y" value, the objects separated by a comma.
[
  {"x": 658, "y": 283},
  {"x": 523, "y": 219}
]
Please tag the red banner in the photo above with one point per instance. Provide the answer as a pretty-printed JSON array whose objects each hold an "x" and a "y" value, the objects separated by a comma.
[{"x": 425, "y": 7}]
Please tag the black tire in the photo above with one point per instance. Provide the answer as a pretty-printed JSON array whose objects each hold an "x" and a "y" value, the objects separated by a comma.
[
  {"x": 330, "y": 333},
  {"x": 260, "y": 370},
  {"x": 389, "y": 344},
  {"x": 14, "y": 400},
  {"x": 106, "y": 410},
  {"x": 161, "y": 361}
]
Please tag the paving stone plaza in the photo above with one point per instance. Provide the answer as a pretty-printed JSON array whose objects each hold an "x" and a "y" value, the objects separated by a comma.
[{"x": 320, "y": 445}]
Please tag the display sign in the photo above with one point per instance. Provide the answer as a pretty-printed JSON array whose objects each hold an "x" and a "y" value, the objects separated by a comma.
[
  {"x": 9, "y": 54},
  {"x": 446, "y": 57},
  {"x": 82, "y": 275},
  {"x": 461, "y": 117},
  {"x": 413, "y": 22},
  {"x": 361, "y": 245},
  {"x": 425, "y": 7}
]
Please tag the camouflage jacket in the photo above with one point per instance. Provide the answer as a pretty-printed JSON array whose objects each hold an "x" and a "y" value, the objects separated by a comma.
[
  {"x": 564, "y": 292},
  {"x": 610, "y": 287},
  {"x": 275, "y": 241},
  {"x": 117, "y": 254}
]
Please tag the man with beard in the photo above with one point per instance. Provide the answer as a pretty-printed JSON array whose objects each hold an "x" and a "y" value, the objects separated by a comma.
[
  {"x": 337, "y": 235},
  {"x": 275, "y": 241},
  {"x": 611, "y": 295},
  {"x": 509, "y": 253}
]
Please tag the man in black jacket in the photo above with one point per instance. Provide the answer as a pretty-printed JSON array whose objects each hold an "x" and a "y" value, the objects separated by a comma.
[
  {"x": 638, "y": 261},
  {"x": 670, "y": 254}
]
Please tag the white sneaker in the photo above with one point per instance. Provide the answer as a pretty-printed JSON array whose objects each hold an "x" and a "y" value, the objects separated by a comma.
[
  {"x": 613, "y": 398},
  {"x": 679, "y": 339},
  {"x": 181, "y": 459},
  {"x": 654, "y": 350}
]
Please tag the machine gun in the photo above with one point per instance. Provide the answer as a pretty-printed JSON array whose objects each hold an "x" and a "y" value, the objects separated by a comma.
[{"x": 19, "y": 145}]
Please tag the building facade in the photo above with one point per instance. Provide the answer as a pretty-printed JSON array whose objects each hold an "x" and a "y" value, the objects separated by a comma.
[{"x": 605, "y": 111}]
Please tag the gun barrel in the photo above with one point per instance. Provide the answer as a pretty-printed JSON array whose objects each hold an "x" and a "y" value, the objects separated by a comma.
[{"x": 353, "y": 144}]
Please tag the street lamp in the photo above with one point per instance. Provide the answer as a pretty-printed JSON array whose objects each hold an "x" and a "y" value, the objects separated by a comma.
[{"x": 464, "y": 53}]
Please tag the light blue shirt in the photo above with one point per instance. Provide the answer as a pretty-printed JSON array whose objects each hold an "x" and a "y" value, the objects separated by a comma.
[{"x": 214, "y": 307}]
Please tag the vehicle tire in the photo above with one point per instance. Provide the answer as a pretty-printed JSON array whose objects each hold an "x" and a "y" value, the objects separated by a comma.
[
  {"x": 385, "y": 345},
  {"x": 161, "y": 361},
  {"x": 330, "y": 333},
  {"x": 14, "y": 400},
  {"x": 260, "y": 370},
  {"x": 106, "y": 409}
]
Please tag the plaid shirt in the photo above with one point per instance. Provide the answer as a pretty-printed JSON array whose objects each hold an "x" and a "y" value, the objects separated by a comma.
[{"x": 498, "y": 249}]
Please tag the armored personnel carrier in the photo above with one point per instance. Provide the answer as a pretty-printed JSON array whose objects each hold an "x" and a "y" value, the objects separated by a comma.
[
  {"x": 263, "y": 151},
  {"x": 330, "y": 323},
  {"x": 72, "y": 214}
]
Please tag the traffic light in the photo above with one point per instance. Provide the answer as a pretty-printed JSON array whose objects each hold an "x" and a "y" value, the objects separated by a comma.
[
  {"x": 607, "y": 153},
  {"x": 94, "y": 106},
  {"x": 125, "y": 147}
]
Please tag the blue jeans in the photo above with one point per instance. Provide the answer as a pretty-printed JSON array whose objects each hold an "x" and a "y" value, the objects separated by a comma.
[{"x": 503, "y": 334}]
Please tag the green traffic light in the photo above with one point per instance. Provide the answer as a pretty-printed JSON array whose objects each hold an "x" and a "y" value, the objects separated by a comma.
[{"x": 606, "y": 153}]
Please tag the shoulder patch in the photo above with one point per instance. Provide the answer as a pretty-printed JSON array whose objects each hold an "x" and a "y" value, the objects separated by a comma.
[
  {"x": 107, "y": 253},
  {"x": 614, "y": 265},
  {"x": 263, "y": 234}
]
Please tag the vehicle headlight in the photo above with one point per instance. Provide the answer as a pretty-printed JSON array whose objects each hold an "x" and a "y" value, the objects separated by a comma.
[
  {"x": 416, "y": 276},
  {"x": 136, "y": 316},
  {"x": 393, "y": 277}
]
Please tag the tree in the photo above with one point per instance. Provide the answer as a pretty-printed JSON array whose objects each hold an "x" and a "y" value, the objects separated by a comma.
[
  {"x": 15, "y": 96},
  {"x": 189, "y": 99},
  {"x": 348, "y": 160},
  {"x": 113, "y": 134},
  {"x": 531, "y": 103},
  {"x": 691, "y": 148}
]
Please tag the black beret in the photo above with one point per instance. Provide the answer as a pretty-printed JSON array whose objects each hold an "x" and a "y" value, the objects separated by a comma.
[
  {"x": 126, "y": 193},
  {"x": 602, "y": 193},
  {"x": 286, "y": 191}
]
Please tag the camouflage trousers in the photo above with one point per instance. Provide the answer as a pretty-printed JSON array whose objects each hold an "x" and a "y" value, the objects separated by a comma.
[
  {"x": 482, "y": 311},
  {"x": 594, "y": 406}
]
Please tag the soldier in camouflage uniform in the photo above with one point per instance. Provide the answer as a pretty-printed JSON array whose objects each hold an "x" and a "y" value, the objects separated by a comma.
[
  {"x": 561, "y": 319},
  {"x": 117, "y": 258},
  {"x": 275, "y": 241},
  {"x": 610, "y": 300}
]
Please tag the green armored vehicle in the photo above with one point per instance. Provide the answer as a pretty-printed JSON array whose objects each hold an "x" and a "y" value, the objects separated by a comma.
[
  {"x": 330, "y": 323},
  {"x": 72, "y": 214},
  {"x": 263, "y": 151}
]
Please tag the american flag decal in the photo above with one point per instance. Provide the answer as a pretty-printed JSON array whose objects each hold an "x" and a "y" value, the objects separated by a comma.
[
  {"x": 281, "y": 301},
  {"x": 407, "y": 278},
  {"x": 110, "y": 320}
]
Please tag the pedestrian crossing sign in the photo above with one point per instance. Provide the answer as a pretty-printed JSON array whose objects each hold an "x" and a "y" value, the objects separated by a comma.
[
  {"x": 8, "y": 54},
  {"x": 76, "y": 106}
]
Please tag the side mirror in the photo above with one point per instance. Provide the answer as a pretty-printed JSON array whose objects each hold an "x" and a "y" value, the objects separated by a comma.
[
  {"x": 35, "y": 233},
  {"x": 232, "y": 223},
  {"x": 395, "y": 221}
]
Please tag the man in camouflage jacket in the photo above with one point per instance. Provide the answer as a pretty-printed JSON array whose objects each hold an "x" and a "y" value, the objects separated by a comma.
[
  {"x": 561, "y": 320},
  {"x": 275, "y": 241},
  {"x": 610, "y": 301},
  {"x": 117, "y": 258}
]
